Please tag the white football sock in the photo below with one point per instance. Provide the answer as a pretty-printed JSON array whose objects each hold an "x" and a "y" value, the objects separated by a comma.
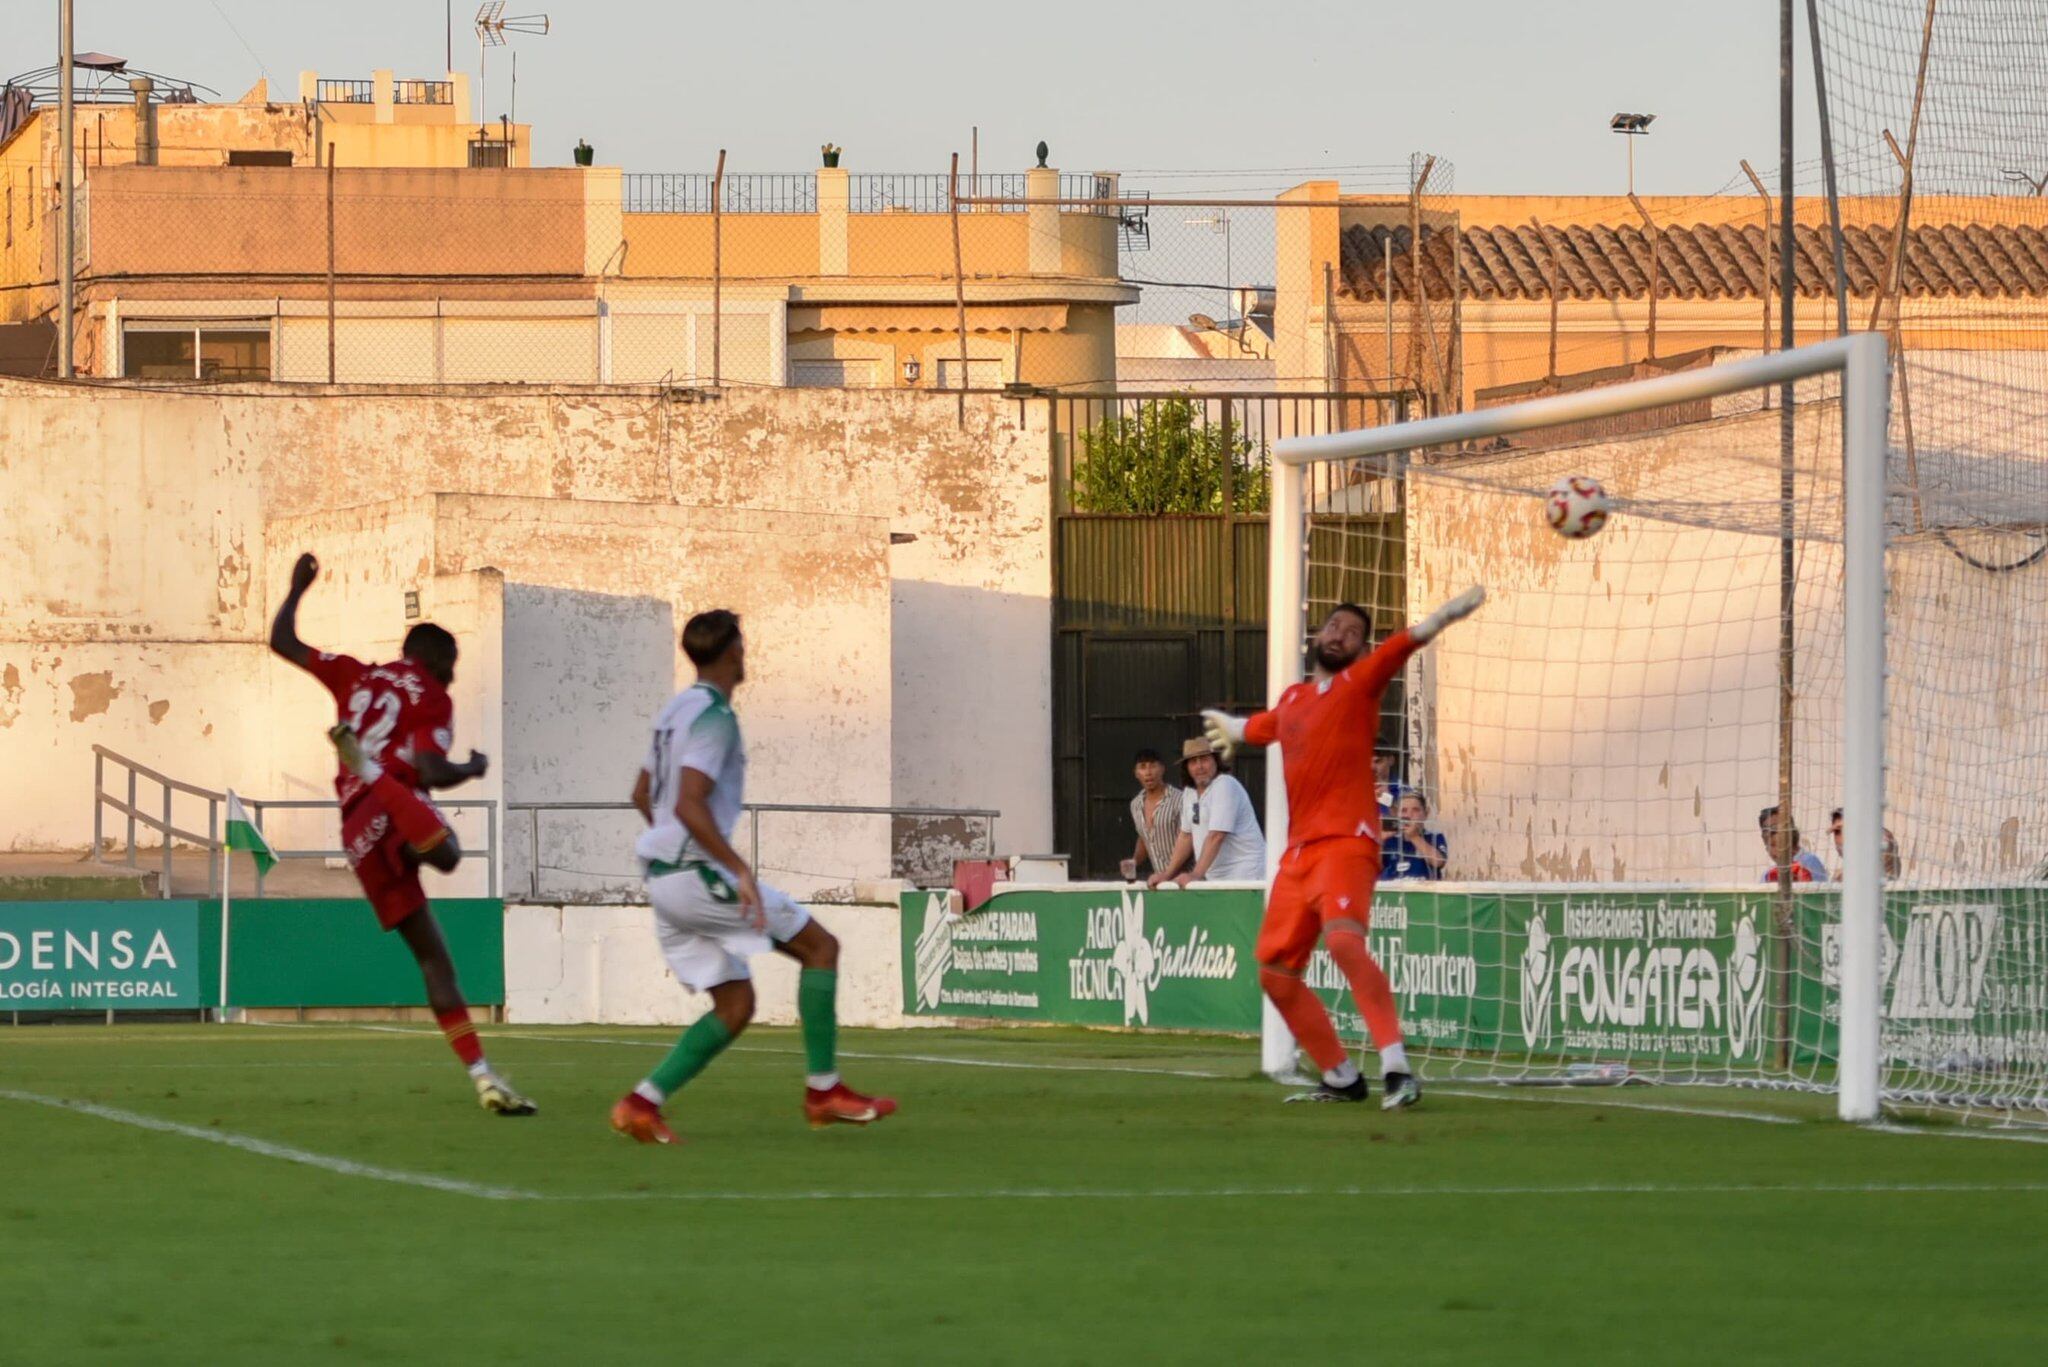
[
  {"x": 1393, "y": 1059},
  {"x": 647, "y": 1091},
  {"x": 821, "y": 1082},
  {"x": 481, "y": 1068},
  {"x": 1343, "y": 1075}
]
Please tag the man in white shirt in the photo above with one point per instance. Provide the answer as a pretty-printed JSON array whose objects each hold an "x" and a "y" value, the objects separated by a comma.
[
  {"x": 710, "y": 913},
  {"x": 1220, "y": 838}
]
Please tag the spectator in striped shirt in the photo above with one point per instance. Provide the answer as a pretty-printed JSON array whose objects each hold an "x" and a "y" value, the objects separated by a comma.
[{"x": 1155, "y": 811}]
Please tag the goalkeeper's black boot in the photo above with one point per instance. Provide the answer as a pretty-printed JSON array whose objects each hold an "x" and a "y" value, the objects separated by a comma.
[
  {"x": 1400, "y": 1089},
  {"x": 1355, "y": 1090}
]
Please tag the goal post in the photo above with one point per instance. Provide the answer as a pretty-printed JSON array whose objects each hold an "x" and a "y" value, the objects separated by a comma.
[{"x": 1318, "y": 479}]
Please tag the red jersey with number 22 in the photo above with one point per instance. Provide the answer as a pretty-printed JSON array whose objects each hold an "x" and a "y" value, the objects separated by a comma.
[
  {"x": 1326, "y": 730},
  {"x": 399, "y": 710}
]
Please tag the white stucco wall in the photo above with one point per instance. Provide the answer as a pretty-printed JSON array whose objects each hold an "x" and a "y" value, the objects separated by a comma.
[
  {"x": 1611, "y": 714},
  {"x": 601, "y": 965},
  {"x": 140, "y": 624}
]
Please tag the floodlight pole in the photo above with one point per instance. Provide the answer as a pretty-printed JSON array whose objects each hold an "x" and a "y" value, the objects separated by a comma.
[{"x": 67, "y": 249}]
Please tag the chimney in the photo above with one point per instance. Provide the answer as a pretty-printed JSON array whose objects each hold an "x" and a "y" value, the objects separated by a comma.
[{"x": 145, "y": 122}]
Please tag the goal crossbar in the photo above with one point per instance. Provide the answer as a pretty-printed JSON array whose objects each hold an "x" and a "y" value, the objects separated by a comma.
[{"x": 1862, "y": 361}]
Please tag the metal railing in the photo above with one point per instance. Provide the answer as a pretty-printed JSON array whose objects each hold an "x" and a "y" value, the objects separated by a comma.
[
  {"x": 984, "y": 845},
  {"x": 1083, "y": 187},
  {"x": 891, "y": 193},
  {"x": 423, "y": 92},
  {"x": 131, "y": 809},
  {"x": 346, "y": 92},
  {"x": 689, "y": 192}
]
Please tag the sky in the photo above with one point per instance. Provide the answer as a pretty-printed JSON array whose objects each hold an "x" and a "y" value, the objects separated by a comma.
[{"x": 1239, "y": 98}]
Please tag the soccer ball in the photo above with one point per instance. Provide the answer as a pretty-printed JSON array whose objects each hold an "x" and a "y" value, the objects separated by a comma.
[{"x": 1576, "y": 506}]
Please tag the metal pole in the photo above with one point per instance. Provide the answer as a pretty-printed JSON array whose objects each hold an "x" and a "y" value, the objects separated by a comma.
[
  {"x": 256, "y": 815},
  {"x": 1550, "y": 251},
  {"x": 1865, "y": 391},
  {"x": 67, "y": 249},
  {"x": 167, "y": 840},
  {"x": 959, "y": 282},
  {"x": 220, "y": 1010},
  {"x": 717, "y": 267},
  {"x": 491, "y": 839},
  {"x": 330, "y": 263},
  {"x": 131, "y": 817},
  {"x": 1387, "y": 295},
  {"x": 533, "y": 852},
  {"x": 1286, "y": 629},
  {"x": 1788, "y": 565},
  {"x": 1656, "y": 265},
  {"x": 1827, "y": 166},
  {"x": 1765, "y": 195},
  {"x": 99, "y": 811}
]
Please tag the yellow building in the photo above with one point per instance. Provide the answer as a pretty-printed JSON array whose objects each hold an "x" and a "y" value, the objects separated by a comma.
[
  {"x": 127, "y": 120},
  {"x": 1514, "y": 290},
  {"x": 216, "y": 242}
]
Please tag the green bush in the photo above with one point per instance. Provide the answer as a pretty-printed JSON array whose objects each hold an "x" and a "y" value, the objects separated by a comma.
[{"x": 1165, "y": 459}]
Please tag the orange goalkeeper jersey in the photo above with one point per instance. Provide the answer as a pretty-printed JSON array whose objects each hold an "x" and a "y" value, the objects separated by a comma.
[{"x": 1326, "y": 731}]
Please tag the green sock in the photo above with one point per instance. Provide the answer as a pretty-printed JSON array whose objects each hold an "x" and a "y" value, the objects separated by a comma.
[
  {"x": 817, "y": 1002},
  {"x": 700, "y": 1044}
]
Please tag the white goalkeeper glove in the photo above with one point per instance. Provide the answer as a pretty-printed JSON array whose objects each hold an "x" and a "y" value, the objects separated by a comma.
[
  {"x": 1463, "y": 606},
  {"x": 1225, "y": 732}
]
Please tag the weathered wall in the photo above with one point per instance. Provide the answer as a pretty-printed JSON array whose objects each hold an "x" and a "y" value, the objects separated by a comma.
[
  {"x": 578, "y": 965},
  {"x": 1612, "y": 713},
  {"x": 273, "y": 220},
  {"x": 155, "y": 530}
]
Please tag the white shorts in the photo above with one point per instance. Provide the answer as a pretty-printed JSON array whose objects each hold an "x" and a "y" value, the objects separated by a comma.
[{"x": 704, "y": 934}]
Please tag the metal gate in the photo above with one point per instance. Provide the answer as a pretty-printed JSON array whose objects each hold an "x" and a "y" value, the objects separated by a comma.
[{"x": 1159, "y": 607}]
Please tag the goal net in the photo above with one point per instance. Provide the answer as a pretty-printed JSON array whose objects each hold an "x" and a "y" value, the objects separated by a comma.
[{"x": 1640, "y": 751}]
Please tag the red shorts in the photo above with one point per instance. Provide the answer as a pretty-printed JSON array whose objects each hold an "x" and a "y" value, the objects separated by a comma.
[
  {"x": 1323, "y": 881},
  {"x": 384, "y": 860}
]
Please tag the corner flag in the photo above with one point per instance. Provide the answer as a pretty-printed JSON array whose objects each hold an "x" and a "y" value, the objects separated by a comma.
[{"x": 243, "y": 835}]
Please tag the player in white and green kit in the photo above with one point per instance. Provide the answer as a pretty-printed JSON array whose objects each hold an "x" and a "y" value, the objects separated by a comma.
[{"x": 709, "y": 911}]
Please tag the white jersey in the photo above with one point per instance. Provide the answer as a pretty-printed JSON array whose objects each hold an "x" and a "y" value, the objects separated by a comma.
[
  {"x": 695, "y": 730},
  {"x": 1225, "y": 809}
]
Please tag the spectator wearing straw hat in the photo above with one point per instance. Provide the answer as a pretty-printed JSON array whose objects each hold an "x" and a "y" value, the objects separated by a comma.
[{"x": 1219, "y": 832}]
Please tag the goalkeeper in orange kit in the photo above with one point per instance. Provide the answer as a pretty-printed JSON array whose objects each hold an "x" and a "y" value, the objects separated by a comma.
[{"x": 1325, "y": 728}]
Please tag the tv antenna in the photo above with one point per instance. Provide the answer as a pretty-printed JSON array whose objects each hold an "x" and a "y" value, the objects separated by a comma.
[{"x": 492, "y": 24}]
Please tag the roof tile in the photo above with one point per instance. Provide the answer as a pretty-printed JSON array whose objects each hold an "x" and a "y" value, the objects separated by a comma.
[{"x": 1609, "y": 261}]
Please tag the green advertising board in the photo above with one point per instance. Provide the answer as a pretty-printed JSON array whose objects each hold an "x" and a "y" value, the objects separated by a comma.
[
  {"x": 1679, "y": 974},
  {"x": 99, "y": 956},
  {"x": 1965, "y": 980},
  {"x": 1094, "y": 956},
  {"x": 330, "y": 951},
  {"x": 1686, "y": 976},
  {"x": 148, "y": 954}
]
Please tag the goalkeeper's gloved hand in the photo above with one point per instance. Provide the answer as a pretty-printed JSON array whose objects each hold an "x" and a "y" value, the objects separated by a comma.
[
  {"x": 1225, "y": 732},
  {"x": 1464, "y": 605}
]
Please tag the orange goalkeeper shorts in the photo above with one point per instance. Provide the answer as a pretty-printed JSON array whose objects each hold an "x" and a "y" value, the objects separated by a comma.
[{"x": 1323, "y": 881}]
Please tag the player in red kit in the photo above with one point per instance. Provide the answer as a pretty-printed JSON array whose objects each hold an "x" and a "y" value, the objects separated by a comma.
[
  {"x": 1325, "y": 729},
  {"x": 393, "y": 736}
]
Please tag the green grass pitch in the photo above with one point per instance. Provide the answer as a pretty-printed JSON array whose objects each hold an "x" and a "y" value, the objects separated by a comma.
[{"x": 1044, "y": 1197}]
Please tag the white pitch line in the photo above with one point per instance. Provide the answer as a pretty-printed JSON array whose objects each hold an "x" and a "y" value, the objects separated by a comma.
[
  {"x": 1956, "y": 1132},
  {"x": 843, "y": 1053},
  {"x": 347, "y": 1167},
  {"x": 1759, "y": 1117},
  {"x": 1236, "y": 1193}
]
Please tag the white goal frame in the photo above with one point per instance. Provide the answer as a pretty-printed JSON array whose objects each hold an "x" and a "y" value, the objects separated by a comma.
[{"x": 1862, "y": 360}]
